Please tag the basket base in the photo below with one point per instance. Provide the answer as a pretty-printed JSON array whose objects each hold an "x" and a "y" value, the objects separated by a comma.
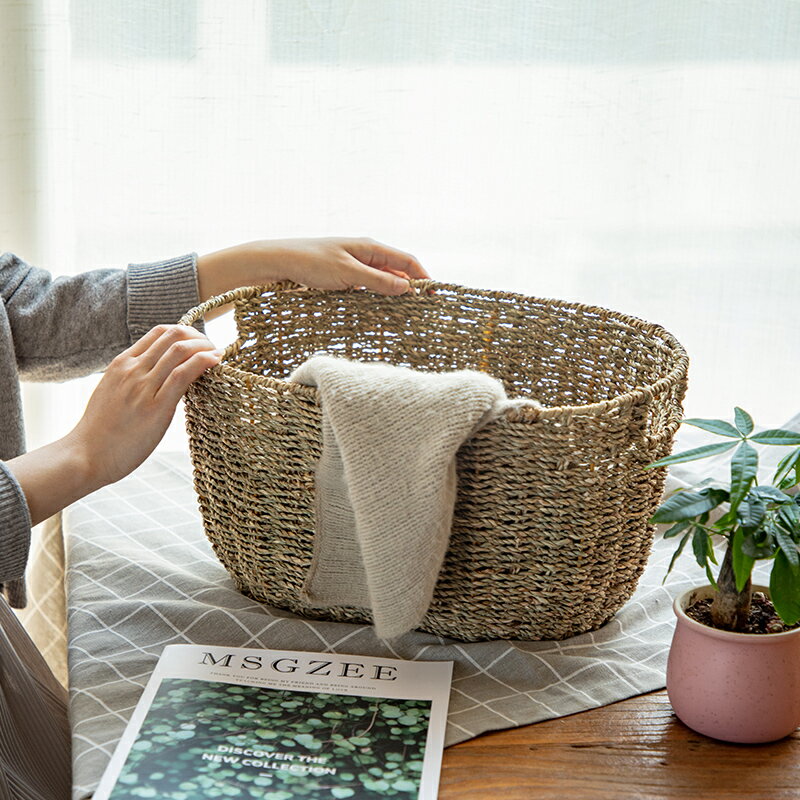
[{"x": 461, "y": 627}]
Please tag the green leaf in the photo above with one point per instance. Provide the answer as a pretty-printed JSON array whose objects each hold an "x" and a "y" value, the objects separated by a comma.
[
  {"x": 687, "y": 505},
  {"x": 744, "y": 422},
  {"x": 744, "y": 468},
  {"x": 726, "y": 521},
  {"x": 789, "y": 515},
  {"x": 776, "y": 436},
  {"x": 701, "y": 544},
  {"x": 718, "y": 426},
  {"x": 742, "y": 563},
  {"x": 359, "y": 741},
  {"x": 308, "y": 741},
  {"x": 676, "y": 529},
  {"x": 376, "y": 786},
  {"x": 770, "y": 493},
  {"x": 786, "y": 465},
  {"x": 787, "y": 546},
  {"x": 676, "y": 554},
  {"x": 784, "y": 589},
  {"x": 751, "y": 511},
  {"x": 762, "y": 549},
  {"x": 693, "y": 455}
]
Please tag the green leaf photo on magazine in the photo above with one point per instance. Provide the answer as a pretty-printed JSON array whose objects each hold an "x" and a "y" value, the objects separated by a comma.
[
  {"x": 219, "y": 740},
  {"x": 274, "y": 725}
]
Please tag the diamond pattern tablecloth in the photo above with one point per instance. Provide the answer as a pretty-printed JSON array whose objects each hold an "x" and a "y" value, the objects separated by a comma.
[{"x": 141, "y": 575}]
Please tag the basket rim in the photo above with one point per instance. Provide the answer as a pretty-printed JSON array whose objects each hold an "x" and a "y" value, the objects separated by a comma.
[{"x": 637, "y": 396}]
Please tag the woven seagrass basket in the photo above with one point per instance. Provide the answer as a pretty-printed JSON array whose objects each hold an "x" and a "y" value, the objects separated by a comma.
[{"x": 550, "y": 532}]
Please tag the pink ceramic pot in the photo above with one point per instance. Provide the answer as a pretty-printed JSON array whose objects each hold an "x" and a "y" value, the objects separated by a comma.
[{"x": 739, "y": 687}]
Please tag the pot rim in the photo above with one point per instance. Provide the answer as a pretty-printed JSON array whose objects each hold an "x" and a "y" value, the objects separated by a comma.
[{"x": 742, "y": 638}]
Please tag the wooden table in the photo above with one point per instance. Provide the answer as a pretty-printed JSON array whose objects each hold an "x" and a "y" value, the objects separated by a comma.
[{"x": 633, "y": 749}]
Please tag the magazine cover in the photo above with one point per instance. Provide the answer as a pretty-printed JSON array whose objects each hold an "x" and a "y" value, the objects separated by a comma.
[{"x": 275, "y": 725}]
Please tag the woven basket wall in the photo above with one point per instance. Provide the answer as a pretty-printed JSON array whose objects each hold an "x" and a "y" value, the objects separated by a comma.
[{"x": 550, "y": 533}]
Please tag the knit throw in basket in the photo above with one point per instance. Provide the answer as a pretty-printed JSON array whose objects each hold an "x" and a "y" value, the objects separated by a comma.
[{"x": 550, "y": 529}]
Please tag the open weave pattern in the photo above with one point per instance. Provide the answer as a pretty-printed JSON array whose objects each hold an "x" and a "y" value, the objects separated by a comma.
[{"x": 550, "y": 530}]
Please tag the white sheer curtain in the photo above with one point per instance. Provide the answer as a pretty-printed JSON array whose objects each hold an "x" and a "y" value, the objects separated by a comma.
[{"x": 637, "y": 155}]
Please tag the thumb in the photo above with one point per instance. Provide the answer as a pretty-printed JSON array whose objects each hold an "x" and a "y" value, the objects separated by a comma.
[{"x": 378, "y": 279}]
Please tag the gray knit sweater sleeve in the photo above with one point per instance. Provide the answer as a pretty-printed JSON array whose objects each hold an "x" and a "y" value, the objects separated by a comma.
[
  {"x": 15, "y": 531},
  {"x": 71, "y": 326},
  {"x": 56, "y": 329}
]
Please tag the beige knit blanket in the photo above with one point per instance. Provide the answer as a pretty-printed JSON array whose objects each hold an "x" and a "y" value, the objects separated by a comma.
[{"x": 386, "y": 481}]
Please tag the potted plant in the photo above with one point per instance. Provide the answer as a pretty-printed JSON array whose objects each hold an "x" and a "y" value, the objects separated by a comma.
[{"x": 734, "y": 665}]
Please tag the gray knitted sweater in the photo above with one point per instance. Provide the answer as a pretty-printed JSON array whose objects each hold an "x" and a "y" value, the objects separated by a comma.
[{"x": 52, "y": 330}]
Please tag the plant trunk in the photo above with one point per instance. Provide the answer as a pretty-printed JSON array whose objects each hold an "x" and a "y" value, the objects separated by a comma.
[{"x": 730, "y": 608}]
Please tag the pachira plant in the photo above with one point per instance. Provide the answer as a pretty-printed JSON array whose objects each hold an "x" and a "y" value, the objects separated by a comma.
[{"x": 757, "y": 521}]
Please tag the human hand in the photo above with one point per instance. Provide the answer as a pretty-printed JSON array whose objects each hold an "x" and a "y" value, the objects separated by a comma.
[
  {"x": 125, "y": 418},
  {"x": 331, "y": 263},
  {"x": 133, "y": 405}
]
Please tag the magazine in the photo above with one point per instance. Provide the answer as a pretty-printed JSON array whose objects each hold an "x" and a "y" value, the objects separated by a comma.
[{"x": 274, "y": 725}]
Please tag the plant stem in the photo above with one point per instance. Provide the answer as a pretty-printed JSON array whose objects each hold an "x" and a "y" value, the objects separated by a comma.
[{"x": 730, "y": 608}]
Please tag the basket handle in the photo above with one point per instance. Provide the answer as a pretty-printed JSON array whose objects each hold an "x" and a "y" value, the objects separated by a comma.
[{"x": 243, "y": 293}]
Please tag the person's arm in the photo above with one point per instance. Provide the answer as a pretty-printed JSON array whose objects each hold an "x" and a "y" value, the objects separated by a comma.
[
  {"x": 74, "y": 325},
  {"x": 332, "y": 263},
  {"x": 124, "y": 420}
]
